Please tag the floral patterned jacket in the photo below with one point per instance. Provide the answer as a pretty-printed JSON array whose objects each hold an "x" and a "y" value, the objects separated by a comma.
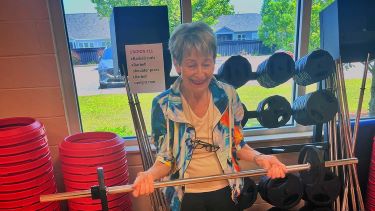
[{"x": 172, "y": 135}]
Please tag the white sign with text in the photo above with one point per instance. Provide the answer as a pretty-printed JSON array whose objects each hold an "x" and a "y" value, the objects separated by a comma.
[{"x": 145, "y": 67}]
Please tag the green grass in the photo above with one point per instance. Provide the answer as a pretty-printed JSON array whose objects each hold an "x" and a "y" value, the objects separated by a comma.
[{"x": 111, "y": 112}]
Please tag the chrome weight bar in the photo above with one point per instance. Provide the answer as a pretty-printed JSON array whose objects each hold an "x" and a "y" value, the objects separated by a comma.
[{"x": 180, "y": 182}]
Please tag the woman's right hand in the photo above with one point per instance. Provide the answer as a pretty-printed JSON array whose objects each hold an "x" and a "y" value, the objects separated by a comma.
[{"x": 143, "y": 184}]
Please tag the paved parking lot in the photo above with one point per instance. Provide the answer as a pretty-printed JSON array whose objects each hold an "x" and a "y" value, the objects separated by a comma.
[{"x": 87, "y": 82}]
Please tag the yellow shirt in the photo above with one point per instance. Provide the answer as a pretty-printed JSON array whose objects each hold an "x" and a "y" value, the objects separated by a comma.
[{"x": 203, "y": 162}]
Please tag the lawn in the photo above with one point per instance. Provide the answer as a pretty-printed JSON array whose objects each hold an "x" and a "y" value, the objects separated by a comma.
[{"x": 110, "y": 112}]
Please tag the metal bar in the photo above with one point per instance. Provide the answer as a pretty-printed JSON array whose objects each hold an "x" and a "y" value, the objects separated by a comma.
[
  {"x": 248, "y": 173},
  {"x": 146, "y": 161},
  {"x": 349, "y": 145},
  {"x": 360, "y": 101},
  {"x": 344, "y": 127}
]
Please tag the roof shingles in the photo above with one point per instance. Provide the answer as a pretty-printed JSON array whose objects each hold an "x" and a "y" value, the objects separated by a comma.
[
  {"x": 82, "y": 26},
  {"x": 239, "y": 22}
]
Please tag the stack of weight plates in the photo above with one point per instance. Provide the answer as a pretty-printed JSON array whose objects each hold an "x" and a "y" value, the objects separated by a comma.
[
  {"x": 81, "y": 155},
  {"x": 26, "y": 170},
  {"x": 371, "y": 182}
]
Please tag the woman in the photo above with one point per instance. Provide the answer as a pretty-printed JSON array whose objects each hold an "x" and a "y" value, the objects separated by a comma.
[{"x": 191, "y": 125}]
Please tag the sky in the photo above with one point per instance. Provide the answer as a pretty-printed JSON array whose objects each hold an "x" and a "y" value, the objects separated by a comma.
[{"x": 85, "y": 6}]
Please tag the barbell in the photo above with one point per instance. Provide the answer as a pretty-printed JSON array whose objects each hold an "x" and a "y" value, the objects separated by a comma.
[{"x": 101, "y": 191}]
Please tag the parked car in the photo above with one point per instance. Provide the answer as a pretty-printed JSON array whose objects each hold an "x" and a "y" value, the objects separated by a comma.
[{"x": 108, "y": 75}]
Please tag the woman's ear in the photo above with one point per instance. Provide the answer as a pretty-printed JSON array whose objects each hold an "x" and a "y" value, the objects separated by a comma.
[{"x": 177, "y": 66}]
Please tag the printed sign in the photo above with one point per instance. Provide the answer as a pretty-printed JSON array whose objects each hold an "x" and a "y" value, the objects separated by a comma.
[{"x": 145, "y": 67}]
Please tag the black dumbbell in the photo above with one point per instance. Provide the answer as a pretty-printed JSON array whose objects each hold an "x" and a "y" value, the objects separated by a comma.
[
  {"x": 272, "y": 112},
  {"x": 315, "y": 108},
  {"x": 325, "y": 192},
  {"x": 313, "y": 67},
  {"x": 248, "y": 194},
  {"x": 283, "y": 193}
]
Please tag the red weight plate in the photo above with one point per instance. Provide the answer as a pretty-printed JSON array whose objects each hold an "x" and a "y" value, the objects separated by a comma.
[
  {"x": 23, "y": 138},
  {"x": 87, "y": 185},
  {"x": 18, "y": 125},
  {"x": 93, "y": 160},
  {"x": 37, "y": 172},
  {"x": 67, "y": 152},
  {"x": 24, "y": 203},
  {"x": 94, "y": 177},
  {"x": 36, "y": 190},
  {"x": 91, "y": 206},
  {"x": 96, "y": 204},
  {"x": 25, "y": 166},
  {"x": 91, "y": 169},
  {"x": 22, "y": 148},
  {"x": 91, "y": 140},
  {"x": 24, "y": 157},
  {"x": 110, "y": 197},
  {"x": 55, "y": 206},
  {"x": 27, "y": 184},
  {"x": 70, "y": 188}
]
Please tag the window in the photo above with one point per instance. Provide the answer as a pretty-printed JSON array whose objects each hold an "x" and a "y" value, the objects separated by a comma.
[
  {"x": 223, "y": 37},
  {"x": 353, "y": 72},
  {"x": 254, "y": 36},
  {"x": 241, "y": 36},
  {"x": 103, "y": 104},
  {"x": 253, "y": 18},
  {"x": 107, "y": 109}
]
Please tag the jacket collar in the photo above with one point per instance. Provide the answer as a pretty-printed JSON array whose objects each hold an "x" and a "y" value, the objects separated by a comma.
[{"x": 174, "y": 109}]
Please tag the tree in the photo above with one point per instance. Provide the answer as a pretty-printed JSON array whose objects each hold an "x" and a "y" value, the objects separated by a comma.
[
  {"x": 277, "y": 29},
  {"x": 208, "y": 11},
  {"x": 278, "y": 25},
  {"x": 203, "y": 10}
]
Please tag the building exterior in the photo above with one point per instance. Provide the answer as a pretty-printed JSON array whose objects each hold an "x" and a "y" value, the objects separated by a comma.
[
  {"x": 238, "y": 34},
  {"x": 88, "y": 36}
]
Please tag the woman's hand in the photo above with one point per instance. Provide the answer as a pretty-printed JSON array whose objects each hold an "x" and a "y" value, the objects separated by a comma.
[
  {"x": 275, "y": 169},
  {"x": 143, "y": 184}
]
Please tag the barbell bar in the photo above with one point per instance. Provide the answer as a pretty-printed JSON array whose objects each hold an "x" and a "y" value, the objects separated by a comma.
[{"x": 248, "y": 173}]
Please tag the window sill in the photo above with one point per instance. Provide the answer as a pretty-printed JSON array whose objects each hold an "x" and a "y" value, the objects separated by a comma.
[
  {"x": 298, "y": 136},
  {"x": 254, "y": 141}
]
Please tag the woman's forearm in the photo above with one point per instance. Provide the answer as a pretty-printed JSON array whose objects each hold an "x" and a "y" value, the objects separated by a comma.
[
  {"x": 247, "y": 153},
  {"x": 159, "y": 170}
]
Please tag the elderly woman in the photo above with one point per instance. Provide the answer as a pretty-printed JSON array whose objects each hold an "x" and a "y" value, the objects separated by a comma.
[{"x": 196, "y": 129}]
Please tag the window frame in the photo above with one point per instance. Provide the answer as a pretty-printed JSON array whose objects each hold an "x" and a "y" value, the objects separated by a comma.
[{"x": 303, "y": 13}]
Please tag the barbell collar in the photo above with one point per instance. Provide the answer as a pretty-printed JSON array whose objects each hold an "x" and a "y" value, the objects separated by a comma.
[{"x": 248, "y": 173}]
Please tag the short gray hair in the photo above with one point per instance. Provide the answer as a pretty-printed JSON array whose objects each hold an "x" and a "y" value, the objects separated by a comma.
[{"x": 192, "y": 36}]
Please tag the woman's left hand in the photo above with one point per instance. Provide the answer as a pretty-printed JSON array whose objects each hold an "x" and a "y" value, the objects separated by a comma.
[{"x": 275, "y": 169}]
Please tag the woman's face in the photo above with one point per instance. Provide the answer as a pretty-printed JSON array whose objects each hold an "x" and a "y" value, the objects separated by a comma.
[{"x": 196, "y": 71}]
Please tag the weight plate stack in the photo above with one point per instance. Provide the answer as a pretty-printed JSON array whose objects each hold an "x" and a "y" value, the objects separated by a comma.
[
  {"x": 26, "y": 170},
  {"x": 81, "y": 154}
]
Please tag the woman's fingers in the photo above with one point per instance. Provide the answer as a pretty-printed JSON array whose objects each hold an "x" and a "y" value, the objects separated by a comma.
[
  {"x": 143, "y": 184},
  {"x": 151, "y": 182},
  {"x": 136, "y": 188}
]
